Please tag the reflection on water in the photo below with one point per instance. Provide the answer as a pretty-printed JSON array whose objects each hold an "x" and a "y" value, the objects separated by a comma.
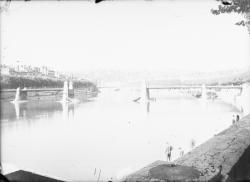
[
  {"x": 107, "y": 137},
  {"x": 148, "y": 107},
  {"x": 33, "y": 109}
]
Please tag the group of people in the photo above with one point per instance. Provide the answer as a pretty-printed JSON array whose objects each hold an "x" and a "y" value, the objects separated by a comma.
[
  {"x": 236, "y": 118},
  {"x": 168, "y": 152},
  {"x": 169, "y": 148}
]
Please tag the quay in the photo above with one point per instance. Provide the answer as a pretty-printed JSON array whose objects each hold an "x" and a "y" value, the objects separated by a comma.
[{"x": 229, "y": 151}]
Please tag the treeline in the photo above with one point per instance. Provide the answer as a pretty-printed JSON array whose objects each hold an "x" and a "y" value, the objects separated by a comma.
[
  {"x": 13, "y": 82},
  {"x": 229, "y": 80}
]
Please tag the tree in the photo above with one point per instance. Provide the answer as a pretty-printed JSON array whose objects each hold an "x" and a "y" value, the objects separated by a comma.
[
  {"x": 4, "y": 5},
  {"x": 235, "y": 6}
]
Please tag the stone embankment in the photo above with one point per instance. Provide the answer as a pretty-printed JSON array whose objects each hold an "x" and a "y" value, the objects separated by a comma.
[{"x": 225, "y": 157}]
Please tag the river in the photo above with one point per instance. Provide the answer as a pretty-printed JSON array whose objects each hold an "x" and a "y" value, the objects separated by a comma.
[{"x": 107, "y": 136}]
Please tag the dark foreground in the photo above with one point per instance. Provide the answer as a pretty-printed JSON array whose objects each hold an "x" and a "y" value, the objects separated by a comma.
[{"x": 25, "y": 176}]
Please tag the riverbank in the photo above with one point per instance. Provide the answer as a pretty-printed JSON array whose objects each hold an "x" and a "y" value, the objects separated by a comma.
[
  {"x": 80, "y": 94},
  {"x": 229, "y": 149},
  {"x": 12, "y": 82},
  {"x": 82, "y": 89}
]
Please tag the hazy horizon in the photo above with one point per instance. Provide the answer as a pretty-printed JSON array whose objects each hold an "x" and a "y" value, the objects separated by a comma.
[{"x": 157, "y": 35}]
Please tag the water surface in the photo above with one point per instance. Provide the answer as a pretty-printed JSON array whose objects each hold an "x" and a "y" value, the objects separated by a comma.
[{"x": 109, "y": 133}]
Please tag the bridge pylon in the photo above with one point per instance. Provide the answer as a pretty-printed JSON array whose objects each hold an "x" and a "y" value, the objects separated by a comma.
[
  {"x": 68, "y": 91},
  {"x": 65, "y": 97},
  {"x": 145, "y": 91},
  {"x": 204, "y": 92},
  {"x": 21, "y": 95},
  {"x": 17, "y": 96},
  {"x": 71, "y": 90}
]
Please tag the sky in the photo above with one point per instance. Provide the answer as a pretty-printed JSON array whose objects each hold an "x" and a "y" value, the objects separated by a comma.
[{"x": 134, "y": 35}]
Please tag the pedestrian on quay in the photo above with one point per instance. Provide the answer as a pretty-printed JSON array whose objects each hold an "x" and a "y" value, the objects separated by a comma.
[
  {"x": 233, "y": 120},
  {"x": 237, "y": 118},
  {"x": 181, "y": 151},
  {"x": 193, "y": 143},
  {"x": 168, "y": 152}
]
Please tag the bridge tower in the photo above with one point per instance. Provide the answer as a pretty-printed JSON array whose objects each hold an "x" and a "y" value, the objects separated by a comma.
[
  {"x": 71, "y": 89},
  {"x": 145, "y": 94},
  {"x": 204, "y": 92},
  {"x": 21, "y": 95},
  {"x": 68, "y": 91},
  {"x": 17, "y": 97},
  {"x": 65, "y": 97}
]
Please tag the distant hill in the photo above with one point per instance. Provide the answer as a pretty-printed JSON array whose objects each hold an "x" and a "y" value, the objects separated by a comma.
[{"x": 166, "y": 76}]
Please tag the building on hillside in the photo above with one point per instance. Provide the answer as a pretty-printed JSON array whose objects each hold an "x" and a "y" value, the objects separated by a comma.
[
  {"x": 6, "y": 70},
  {"x": 61, "y": 76},
  {"x": 44, "y": 70},
  {"x": 25, "y": 70},
  {"x": 51, "y": 73},
  {"x": 37, "y": 70},
  {"x": 57, "y": 74},
  {"x": 22, "y": 70}
]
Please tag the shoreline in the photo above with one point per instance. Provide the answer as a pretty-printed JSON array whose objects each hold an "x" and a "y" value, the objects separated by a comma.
[
  {"x": 81, "y": 94},
  {"x": 13, "y": 82},
  {"x": 9, "y": 84}
]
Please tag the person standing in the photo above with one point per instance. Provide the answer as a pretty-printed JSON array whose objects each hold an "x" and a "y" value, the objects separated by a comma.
[
  {"x": 181, "y": 152},
  {"x": 233, "y": 120},
  {"x": 237, "y": 118},
  {"x": 168, "y": 152},
  {"x": 193, "y": 143}
]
